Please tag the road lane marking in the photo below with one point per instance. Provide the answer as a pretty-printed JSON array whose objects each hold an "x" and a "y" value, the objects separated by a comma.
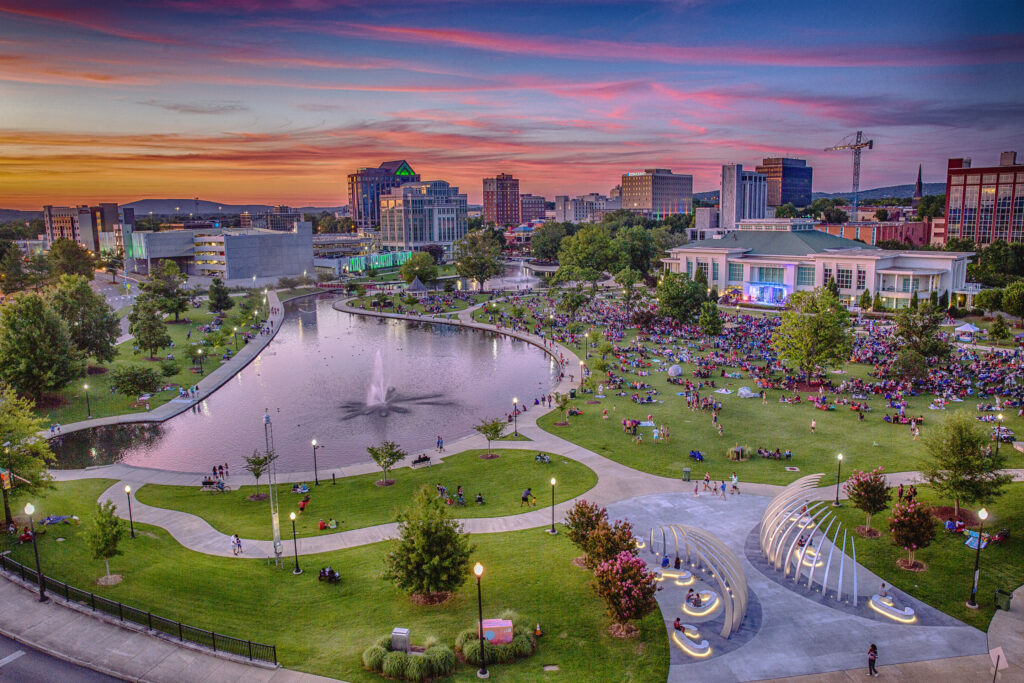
[{"x": 11, "y": 657}]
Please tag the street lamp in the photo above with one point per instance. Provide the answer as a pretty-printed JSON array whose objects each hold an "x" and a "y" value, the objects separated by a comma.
[
  {"x": 839, "y": 468},
  {"x": 88, "y": 407},
  {"x": 582, "y": 365},
  {"x": 553, "y": 531},
  {"x": 999, "y": 433},
  {"x": 131, "y": 522},
  {"x": 200, "y": 353},
  {"x": 316, "y": 477},
  {"x": 586, "y": 338},
  {"x": 295, "y": 543},
  {"x": 482, "y": 672},
  {"x": 236, "y": 339},
  {"x": 515, "y": 415},
  {"x": 982, "y": 516},
  {"x": 29, "y": 510}
]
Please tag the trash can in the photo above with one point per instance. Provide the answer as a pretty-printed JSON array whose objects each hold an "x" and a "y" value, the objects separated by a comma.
[
  {"x": 400, "y": 639},
  {"x": 686, "y": 474},
  {"x": 572, "y": 393},
  {"x": 1003, "y": 599}
]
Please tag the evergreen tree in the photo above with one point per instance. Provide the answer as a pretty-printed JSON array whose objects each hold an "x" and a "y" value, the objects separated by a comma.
[
  {"x": 944, "y": 300},
  {"x": 166, "y": 285},
  {"x": 37, "y": 353},
  {"x": 710, "y": 320},
  {"x": 220, "y": 297},
  {"x": 431, "y": 556},
  {"x": 92, "y": 324},
  {"x": 999, "y": 329},
  {"x": 933, "y": 298},
  {"x": 147, "y": 326},
  {"x": 876, "y": 303},
  {"x": 914, "y": 302},
  {"x": 833, "y": 287},
  {"x": 67, "y": 257},
  {"x": 865, "y": 300}
]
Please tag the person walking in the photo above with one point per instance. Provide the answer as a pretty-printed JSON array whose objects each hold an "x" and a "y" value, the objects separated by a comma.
[
  {"x": 735, "y": 484},
  {"x": 872, "y": 658},
  {"x": 526, "y": 498},
  {"x": 722, "y": 488},
  {"x": 814, "y": 425}
]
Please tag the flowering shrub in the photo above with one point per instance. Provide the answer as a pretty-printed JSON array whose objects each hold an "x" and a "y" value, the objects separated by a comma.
[
  {"x": 626, "y": 586},
  {"x": 868, "y": 491},
  {"x": 912, "y": 527},
  {"x": 583, "y": 518},
  {"x": 608, "y": 541}
]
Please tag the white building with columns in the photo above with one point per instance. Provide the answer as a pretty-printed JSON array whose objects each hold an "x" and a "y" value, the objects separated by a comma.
[{"x": 767, "y": 264}]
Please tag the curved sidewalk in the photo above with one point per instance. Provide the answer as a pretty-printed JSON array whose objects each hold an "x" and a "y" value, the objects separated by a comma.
[{"x": 207, "y": 385}]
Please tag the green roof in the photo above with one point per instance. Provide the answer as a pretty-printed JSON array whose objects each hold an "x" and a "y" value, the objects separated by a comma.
[{"x": 779, "y": 243}]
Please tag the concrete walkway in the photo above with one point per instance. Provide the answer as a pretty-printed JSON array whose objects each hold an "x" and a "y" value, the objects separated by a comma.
[
  {"x": 207, "y": 385},
  {"x": 81, "y": 638}
]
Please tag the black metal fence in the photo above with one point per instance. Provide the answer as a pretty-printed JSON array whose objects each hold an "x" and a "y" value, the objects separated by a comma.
[{"x": 183, "y": 632}]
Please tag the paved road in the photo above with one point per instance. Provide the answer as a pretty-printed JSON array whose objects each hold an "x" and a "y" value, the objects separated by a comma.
[{"x": 28, "y": 665}]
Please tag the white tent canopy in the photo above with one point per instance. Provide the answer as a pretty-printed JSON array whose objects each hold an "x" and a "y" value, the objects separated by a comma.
[{"x": 967, "y": 327}]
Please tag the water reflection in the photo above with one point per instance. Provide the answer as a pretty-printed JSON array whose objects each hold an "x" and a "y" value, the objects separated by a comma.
[{"x": 314, "y": 377}]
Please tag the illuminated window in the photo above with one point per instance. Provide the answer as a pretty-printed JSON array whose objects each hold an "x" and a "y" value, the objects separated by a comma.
[{"x": 805, "y": 276}]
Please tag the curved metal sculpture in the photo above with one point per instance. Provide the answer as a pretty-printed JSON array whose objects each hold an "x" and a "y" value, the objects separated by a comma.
[
  {"x": 794, "y": 515},
  {"x": 704, "y": 551}
]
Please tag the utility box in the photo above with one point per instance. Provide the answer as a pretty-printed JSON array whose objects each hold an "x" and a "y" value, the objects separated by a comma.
[
  {"x": 497, "y": 631},
  {"x": 400, "y": 639},
  {"x": 686, "y": 474},
  {"x": 1003, "y": 598}
]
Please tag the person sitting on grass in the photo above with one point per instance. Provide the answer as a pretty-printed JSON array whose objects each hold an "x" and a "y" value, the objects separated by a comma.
[
  {"x": 321, "y": 525},
  {"x": 480, "y": 499},
  {"x": 332, "y": 523}
]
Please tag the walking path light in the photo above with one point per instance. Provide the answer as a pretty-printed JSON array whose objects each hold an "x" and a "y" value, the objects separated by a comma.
[{"x": 482, "y": 672}]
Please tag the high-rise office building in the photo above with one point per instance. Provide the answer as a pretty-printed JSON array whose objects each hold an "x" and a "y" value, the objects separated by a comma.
[
  {"x": 789, "y": 181},
  {"x": 414, "y": 215},
  {"x": 501, "y": 200},
  {"x": 531, "y": 207},
  {"x": 657, "y": 192},
  {"x": 743, "y": 196},
  {"x": 90, "y": 226},
  {"x": 985, "y": 204},
  {"x": 367, "y": 185}
]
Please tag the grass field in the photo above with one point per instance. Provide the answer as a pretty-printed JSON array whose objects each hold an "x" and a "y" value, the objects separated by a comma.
[
  {"x": 104, "y": 403},
  {"x": 747, "y": 422},
  {"x": 355, "y": 502},
  {"x": 946, "y": 584},
  {"x": 322, "y": 628}
]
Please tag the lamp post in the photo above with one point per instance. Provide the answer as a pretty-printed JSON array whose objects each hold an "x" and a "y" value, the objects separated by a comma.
[
  {"x": 586, "y": 340},
  {"x": 999, "y": 432},
  {"x": 295, "y": 544},
  {"x": 88, "y": 407},
  {"x": 839, "y": 468},
  {"x": 482, "y": 672},
  {"x": 316, "y": 476},
  {"x": 236, "y": 339},
  {"x": 131, "y": 522},
  {"x": 582, "y": 366},
  {"x": 553, "y": 531},
  {"x": 982, "y": 516},
  {"x": 515, "y": 415},
  {"x": 200, "y": 355},
  {"x": 29, "y": 510}
]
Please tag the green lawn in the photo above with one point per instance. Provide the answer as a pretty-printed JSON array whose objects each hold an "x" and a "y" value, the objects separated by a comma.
[
  {"x": 947, "y": 582},
  {"x": 355, "y": 502},
  {"x": 322, "y": 629},
  {"x": 104, "y": 403},
  {"x": 749, "y": 423}
]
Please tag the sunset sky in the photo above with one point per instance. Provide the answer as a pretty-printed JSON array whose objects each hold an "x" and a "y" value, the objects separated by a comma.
[{"x": 276, "y": 101}]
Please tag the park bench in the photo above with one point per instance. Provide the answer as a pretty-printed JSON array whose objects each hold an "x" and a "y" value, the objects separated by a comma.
[
  {"x": 686, "y": 640},
  {"x": 708, "y": 604},
  {"x": 421, "y": 460},
  {"x": 215, "y": 488},
  {"x": 886, "y": 606}
]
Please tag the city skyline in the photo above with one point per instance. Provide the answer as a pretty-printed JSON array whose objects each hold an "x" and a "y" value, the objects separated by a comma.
[{"x": 278, "y": 102}]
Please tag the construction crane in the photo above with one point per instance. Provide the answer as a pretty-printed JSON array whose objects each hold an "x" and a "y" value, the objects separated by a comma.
[{"x": 856, "y": 143}]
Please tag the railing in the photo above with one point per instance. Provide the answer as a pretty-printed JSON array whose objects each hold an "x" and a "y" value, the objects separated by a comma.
[{"x": 154, "y": 622}]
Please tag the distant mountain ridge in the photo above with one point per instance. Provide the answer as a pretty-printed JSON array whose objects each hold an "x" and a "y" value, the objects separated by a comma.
[
  {"x": 899, "y": 191},
  {"x": 170, "y": 207}
]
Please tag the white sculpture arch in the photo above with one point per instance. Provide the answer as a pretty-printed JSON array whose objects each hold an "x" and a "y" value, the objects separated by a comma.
[
  {"x": 797, "y": 513},
  {"x": 703, "y": 550}
]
